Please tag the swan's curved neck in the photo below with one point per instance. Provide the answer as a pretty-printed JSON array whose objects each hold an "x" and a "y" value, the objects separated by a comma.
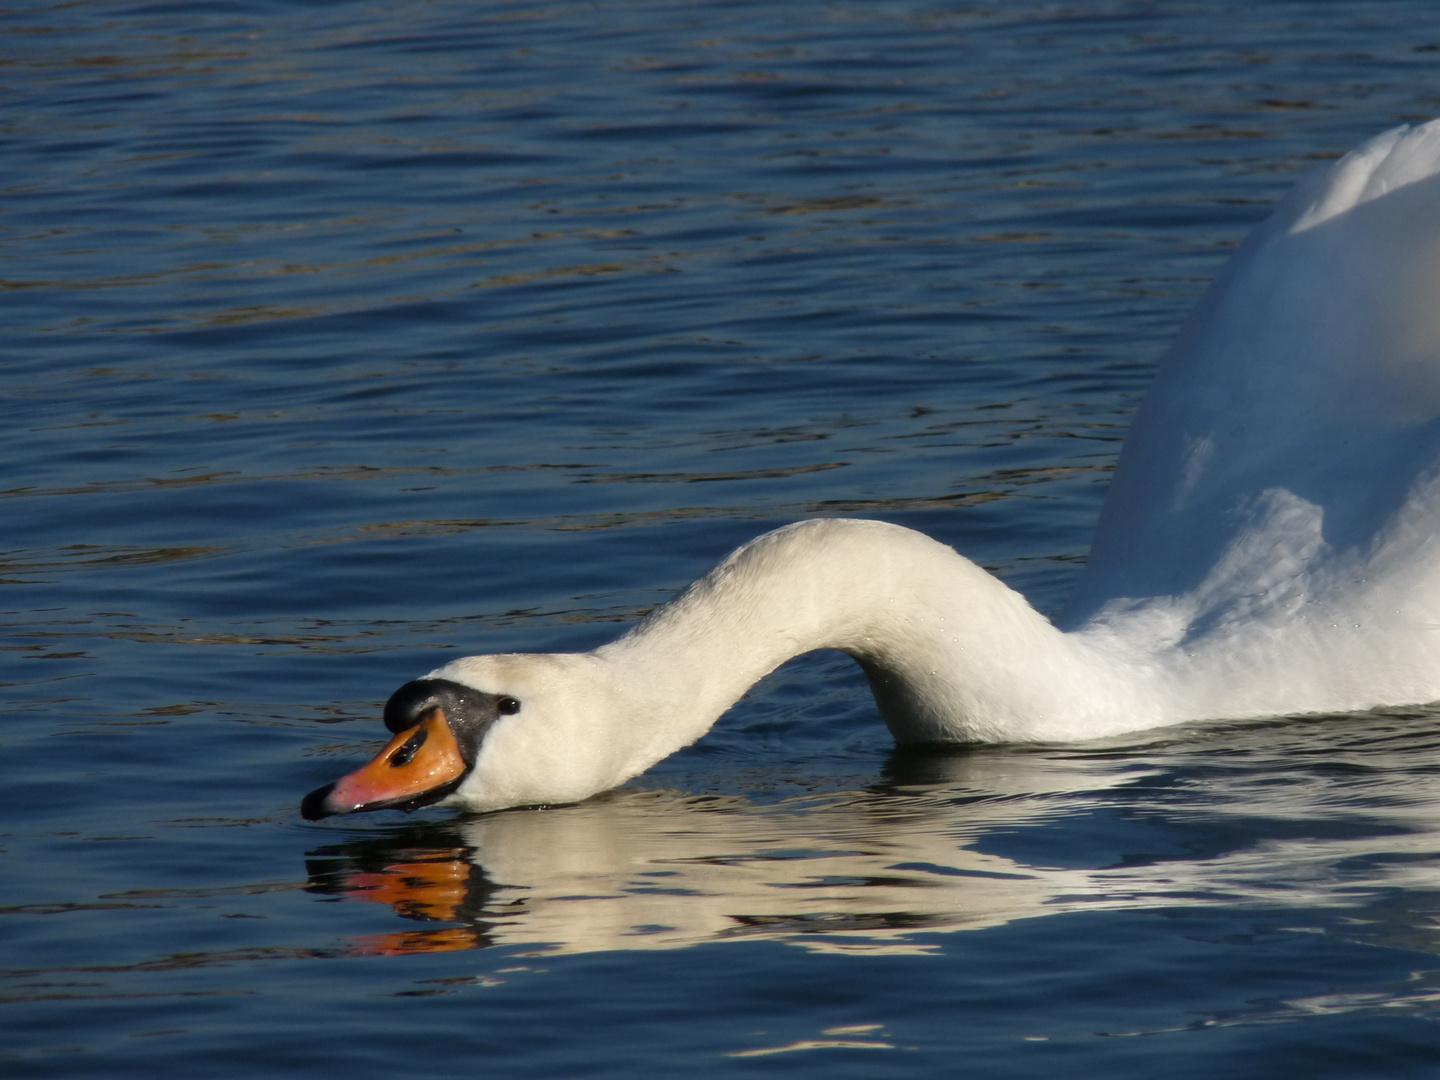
[{"x": 951, "y": 652}]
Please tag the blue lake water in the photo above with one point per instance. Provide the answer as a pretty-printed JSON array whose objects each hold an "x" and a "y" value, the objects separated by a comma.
[{"x": 343, "y": 339}]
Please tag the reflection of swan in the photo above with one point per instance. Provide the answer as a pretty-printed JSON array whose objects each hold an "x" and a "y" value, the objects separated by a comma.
[
  {"x": 653, "y": 870},
  {"x": 1268, "y": 547},
  {"x": 950, "y": 842}
]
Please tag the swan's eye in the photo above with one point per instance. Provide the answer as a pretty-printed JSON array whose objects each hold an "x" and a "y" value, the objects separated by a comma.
[{"x": 508, "y": 706}]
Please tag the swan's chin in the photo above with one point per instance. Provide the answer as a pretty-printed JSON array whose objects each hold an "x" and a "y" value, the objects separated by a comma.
[{"x": 419, "y": 766}]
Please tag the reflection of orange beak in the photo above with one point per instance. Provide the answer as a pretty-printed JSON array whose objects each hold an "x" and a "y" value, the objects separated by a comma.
[
  {"x": 410, "y": 942},
  {"x": 415, "y": 763},
  {"x": 433, "y": 889}
]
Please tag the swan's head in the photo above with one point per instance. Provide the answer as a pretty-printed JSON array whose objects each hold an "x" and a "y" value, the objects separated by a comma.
[{"x": 489, "y": 732}]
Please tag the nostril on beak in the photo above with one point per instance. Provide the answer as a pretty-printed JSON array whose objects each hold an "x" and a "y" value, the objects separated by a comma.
[{"x": 408, "y": 749}]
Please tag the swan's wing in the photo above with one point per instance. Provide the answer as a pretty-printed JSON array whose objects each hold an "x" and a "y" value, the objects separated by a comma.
[{"x": 1295, "y": 419}]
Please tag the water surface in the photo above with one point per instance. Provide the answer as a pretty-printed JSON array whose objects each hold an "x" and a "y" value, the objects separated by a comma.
[{"x": 344, "y": 339}]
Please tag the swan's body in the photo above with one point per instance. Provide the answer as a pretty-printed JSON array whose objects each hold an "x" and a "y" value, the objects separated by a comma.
[{"x": 1269, "y": 546}]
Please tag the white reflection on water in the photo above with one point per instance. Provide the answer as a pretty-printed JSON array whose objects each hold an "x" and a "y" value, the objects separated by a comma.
[{"x": 1327, "y": 813}]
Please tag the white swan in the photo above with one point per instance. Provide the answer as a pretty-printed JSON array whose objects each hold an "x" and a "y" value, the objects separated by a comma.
[{"x": 1268, "y": 547}]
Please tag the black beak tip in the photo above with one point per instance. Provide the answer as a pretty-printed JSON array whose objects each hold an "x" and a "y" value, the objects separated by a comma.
[{"x": 314, "y": 806}]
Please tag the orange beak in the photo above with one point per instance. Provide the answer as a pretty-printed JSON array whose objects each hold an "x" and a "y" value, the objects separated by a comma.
[{"x": 415, "y": 763}]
